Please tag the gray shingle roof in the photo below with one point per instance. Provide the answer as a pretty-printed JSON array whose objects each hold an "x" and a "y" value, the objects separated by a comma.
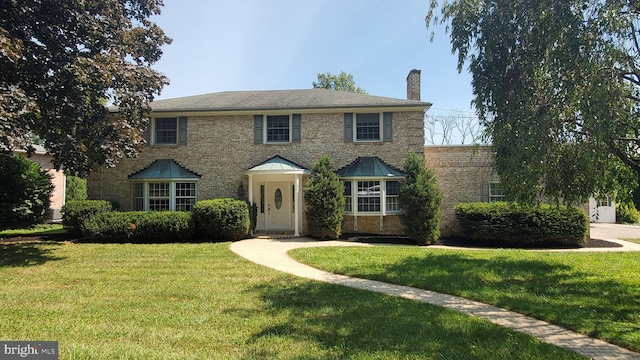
[{"x": 279, "y": 99}]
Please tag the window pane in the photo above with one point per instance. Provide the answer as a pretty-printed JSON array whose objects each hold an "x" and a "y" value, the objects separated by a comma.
[
  {"x": 348, "y": 202},
  {"x": 138, "y": 196},
  {"x": 368, "y": 196},
  {"x": 278, "y": 128},
  {"x": 158, "y": 204},
  {"x": 185, "y": 196},
  {"x": 495, "y": 193},
  {"x": 368, "y": 126},
  {"x": 393, "y": 190},
  {"x": 393, "y": 187},
  {"x": 185, "y": 204},
  {"x": 158, "y": 190},
  {"x": 166, "y": 131},
  {"x": 158, "y": 196}
]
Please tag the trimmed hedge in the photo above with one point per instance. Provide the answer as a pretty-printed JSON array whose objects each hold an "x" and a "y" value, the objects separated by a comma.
[
  {"x": 140, "y": 227},
  {"x": 222, "y": 219},
  {"x": 507, "y": 223},
  {"x": 75, "y": 212}
]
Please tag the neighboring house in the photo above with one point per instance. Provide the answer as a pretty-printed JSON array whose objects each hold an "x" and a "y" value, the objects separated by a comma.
[
  {"x": 261, "y": 145},
  {"x": 58, "y": 179},
  {"x": 465, "y": 174}
]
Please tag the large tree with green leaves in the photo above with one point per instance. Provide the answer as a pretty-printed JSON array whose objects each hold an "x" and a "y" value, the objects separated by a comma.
[
  {"x": 61, "y": 61},
  {"x": 342, "y": 82},
  {"x": 557, "y": 87}
]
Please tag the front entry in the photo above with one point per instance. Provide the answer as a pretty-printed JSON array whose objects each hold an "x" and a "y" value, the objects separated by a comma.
[{"x": 278, "y": 209}]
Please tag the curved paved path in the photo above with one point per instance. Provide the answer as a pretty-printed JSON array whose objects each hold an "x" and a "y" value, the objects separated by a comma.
[{"x": 272, "y": 253}]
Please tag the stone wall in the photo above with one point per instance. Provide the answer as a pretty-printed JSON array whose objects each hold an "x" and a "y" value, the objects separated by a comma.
[
  {"x": 221, "y": 149},
  {"x": 460, "y": 171}
]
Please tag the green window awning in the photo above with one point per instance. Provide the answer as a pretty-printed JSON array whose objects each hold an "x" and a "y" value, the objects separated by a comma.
[
  {"x": 164, "y": 169},
  {"x": 370, "y": 166}
]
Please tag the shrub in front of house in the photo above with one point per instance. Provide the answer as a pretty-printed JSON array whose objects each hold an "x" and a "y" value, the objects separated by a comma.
[
  {"x": 324, "y": 197},
  {"x": 222, "y": 219},
  {"x": 504, "y": 223},
  {"x": 25, "y": 190},
  {"x": 74, "y": 213},
  {"x": 421, "y": 201},
  {"x": 140, "y": 227}
]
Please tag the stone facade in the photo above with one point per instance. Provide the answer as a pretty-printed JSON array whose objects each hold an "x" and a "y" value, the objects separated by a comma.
[
  {"x": 221, "y": 149},
  {"x": 460, "y": 171}
]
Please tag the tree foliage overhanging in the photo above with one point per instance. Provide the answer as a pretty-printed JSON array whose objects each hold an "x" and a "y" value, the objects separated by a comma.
[
  {"x": 62, "y": 61},
  {"x": 342, "y": 82},
  {"x": 557, "y": 86}
]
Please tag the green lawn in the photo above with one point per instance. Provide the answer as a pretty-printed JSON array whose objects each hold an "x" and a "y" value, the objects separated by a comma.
[
  {"x": 201, "y": 301},
  {"x": 597, "y": 294},
  {"x": 44, "y": 229}
]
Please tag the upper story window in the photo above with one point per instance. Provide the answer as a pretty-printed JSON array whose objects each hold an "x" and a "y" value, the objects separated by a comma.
[
  {"x": 167, "y": 131},
  {"x": 277, "y": 129},
  {"x": 368, "y": 127}
]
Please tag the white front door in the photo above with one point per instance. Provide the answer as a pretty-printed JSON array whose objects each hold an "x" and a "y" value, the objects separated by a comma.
[{"x": 278, "y": 199}]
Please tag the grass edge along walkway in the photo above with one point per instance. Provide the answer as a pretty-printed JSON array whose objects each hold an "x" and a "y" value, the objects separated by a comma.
[{"x": 273, "y": 254}]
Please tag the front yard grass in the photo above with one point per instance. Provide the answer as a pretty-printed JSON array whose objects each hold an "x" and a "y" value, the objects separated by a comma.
[
  {"x": 201, "y": 301},
  {"x": 43, "y": 229},
  {"x": 597, "y": 294}
]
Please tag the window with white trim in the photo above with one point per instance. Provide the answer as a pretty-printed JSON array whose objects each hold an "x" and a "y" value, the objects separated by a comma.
[
  {"x": 278, "y": 128},
  {"x": 164, "y": 195},
  {"x": 372, "y": 196},
  {"x": 348, "y": 197},
  {"x": 392, "y": 196},
  {"x": 492, "y": 192},
  {"x": 368, "y": 196},
  {"x": 166, "y": 131},
  {"x": 368, "y": 127}
]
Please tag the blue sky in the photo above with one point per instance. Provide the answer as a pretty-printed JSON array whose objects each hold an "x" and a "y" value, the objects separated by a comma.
[{"x": 283, "y": 44}]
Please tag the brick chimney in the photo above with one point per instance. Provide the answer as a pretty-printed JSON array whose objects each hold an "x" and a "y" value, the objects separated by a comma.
[{"x": 413, "y": 85}]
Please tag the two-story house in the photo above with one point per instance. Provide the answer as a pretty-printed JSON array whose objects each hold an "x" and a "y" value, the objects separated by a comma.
[{"x": 261, "y": 145}]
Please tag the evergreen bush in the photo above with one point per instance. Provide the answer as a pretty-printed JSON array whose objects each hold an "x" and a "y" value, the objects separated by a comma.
[
  {"x": 25, "y": 191},
  {"x": 324, "y": 198},
  {"x": 421, "y": 201},
  {"x": 513, "y": 224},
  {"x": 76, "y": 188},
  {"x": 74, "y": 213},
  {"x": 140, "y": 227},
  {"x": 222, "y": 219}
]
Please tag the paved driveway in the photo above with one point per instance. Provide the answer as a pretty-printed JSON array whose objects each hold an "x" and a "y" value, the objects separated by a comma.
[{"x": 614, "y": 231}]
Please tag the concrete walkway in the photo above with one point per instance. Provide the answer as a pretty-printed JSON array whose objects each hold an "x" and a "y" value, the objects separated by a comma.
[{"x": 272, "y": 253}]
